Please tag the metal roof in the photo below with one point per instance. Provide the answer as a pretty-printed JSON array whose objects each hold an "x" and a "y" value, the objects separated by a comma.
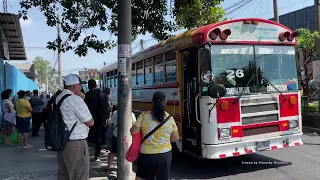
[{"x": 11, "y": 37}]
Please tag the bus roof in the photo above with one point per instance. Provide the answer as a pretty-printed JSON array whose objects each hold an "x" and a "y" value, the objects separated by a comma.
[{"x": 185, "y": 39}]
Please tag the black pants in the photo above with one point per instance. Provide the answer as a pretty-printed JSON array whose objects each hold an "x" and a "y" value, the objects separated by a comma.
[
  {"x": 151, "y": 166},
  {"x": 36, "y": 122},
  {"x": 45, "y": 116},
  {"x": 104, "y": 135},
  {"x": 97, "y": 131}
]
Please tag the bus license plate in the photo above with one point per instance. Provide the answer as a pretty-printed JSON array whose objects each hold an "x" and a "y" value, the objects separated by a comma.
[{"x": 263, "y": 145}]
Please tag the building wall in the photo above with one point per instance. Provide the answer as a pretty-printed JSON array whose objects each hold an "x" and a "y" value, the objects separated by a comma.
[
  {"x": 302, "y": 18},
  {"x": 16, "y": 80}
]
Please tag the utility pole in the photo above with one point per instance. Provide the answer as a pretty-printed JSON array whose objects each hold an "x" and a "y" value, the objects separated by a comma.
[
  {"x": 85, "y": 74},
  {"x": 317, "y": 28},
  {"x": 141, "y": 44},
  {"x": 59, "y": 56},
  {"x": 124, "y": 89},
  {"x": 276, "y": 11}
]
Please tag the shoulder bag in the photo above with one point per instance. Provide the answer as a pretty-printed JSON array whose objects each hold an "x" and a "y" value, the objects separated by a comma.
[{"x": 137, "y": 140}]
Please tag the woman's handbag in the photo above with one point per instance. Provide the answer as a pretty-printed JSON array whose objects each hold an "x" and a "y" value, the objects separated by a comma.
[{"x": 137, "y": 140}]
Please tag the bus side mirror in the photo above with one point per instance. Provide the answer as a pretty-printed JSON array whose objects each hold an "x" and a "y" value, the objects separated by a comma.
[
  {"x": 217, "y": 90},
  {"x": 205, "y": 59},
  {"x": 314, "y": 85}
]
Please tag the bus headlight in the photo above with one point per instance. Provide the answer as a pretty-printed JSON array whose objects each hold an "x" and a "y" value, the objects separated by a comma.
[
  {"x": 293, "y": 124},
  {"x": 225, "y": 132}
]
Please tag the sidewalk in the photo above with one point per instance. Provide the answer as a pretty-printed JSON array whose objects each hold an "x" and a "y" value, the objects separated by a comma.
[{"x": 39, "y": 164}]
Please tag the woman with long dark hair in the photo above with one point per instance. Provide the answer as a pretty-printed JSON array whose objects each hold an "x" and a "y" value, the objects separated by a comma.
[
  {"x": 155, "y": 154},
  {"x": 9, "y": 115}
]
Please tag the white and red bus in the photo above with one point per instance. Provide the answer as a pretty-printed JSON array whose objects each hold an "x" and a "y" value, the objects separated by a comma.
[{"x": 232, "y": 87}]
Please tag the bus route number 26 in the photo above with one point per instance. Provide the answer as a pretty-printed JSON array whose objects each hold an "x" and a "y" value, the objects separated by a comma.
[{"x": 231, "y": 74}]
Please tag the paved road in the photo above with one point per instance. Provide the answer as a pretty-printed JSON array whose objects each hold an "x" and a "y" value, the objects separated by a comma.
[{"x": 298, "y": 163}]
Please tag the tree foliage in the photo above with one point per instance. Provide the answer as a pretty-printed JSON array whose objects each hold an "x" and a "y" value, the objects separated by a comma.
[
  {"x": 83, "y": 16},
  {"x": 195, "y": 13},
  {"x": 43, "y": 68},
  {"x": 306, "y": 44},
  {"x": 307, "y": 39}
]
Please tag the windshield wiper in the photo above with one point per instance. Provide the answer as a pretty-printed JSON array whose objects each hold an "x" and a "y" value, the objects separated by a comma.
[
  {"x": 239, "y": 96},
  {"x": 283, "y": 96}
]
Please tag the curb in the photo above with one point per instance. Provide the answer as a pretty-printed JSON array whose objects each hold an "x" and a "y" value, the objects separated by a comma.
[{"x": 310, "y": 130}]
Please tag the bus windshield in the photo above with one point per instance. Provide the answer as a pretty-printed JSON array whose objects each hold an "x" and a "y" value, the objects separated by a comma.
[{"x": 234, "y": 66}]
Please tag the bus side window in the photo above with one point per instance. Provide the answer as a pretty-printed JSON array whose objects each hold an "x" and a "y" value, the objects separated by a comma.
[
  {"x": 133, "y": 76},
  {"x": 108, "y": 79},
  {"x": 140, "y": 73},
  {"x": 116, "y": 78},
  {"x": 148, "y": 71},
  {"x": 158, "y": 69},
  {"x": 112, "y": 79},
  {"x": 171, "y": 66}
]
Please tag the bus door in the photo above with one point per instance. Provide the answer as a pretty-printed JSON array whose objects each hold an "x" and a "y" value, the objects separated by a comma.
[{"x": 191, "y": 137}]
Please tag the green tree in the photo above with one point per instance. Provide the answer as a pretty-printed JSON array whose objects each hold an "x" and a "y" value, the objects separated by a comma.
[
  {"x": 195, "y": 13},
  {"x": 43, "y": 68},
  {"x": 306, "y": 48},
  {"x": 147, "y": 16}
]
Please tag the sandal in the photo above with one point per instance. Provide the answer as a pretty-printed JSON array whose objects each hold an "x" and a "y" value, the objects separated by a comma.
[{"x": 27, "y": 146}]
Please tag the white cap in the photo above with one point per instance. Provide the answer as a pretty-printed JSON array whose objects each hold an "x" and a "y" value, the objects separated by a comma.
[{"x": 71, "y": 79}]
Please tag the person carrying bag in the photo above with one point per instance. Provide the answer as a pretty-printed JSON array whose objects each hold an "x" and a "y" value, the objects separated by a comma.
[{"x": 152, "y": 134}]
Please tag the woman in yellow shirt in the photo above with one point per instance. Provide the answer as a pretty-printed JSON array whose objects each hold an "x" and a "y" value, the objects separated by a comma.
[
  {"x": 155, "y": 154},
  {"x": 23, "y": 109}
]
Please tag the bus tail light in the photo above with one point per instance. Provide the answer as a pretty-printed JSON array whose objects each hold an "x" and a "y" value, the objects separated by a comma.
[
  {"x": 293, "y": 35},
  {"x": 228, "y": 112},
  {"x": 293, "y": 100},
  {"x": 198, "y": 39},
  {"x": 225, "y": 34},
  {"x": 224, "y": 105},
  {"x": 284, "y": 125},
  {"x": 284, "y": 35},
  {"x": 215, "y": 33},
  {"x": 290, "y": 106}
]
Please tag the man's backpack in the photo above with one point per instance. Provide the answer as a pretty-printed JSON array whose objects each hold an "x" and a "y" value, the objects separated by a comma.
[{"x": 57, "y": 133}]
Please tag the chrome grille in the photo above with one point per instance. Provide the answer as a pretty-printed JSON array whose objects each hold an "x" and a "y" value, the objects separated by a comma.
[
  {"x": 259, "y": 119},
  {"x": 252, "y": 110},
  {"x": 259, "y": 108}
]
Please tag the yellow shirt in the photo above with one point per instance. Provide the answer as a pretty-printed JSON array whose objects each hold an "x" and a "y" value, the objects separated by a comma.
[
  {"x": 22, "y": 108},
  {"x": 159, "y": 141}
]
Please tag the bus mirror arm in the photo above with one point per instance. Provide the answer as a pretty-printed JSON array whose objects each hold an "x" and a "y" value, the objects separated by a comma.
[{"x": 196, "y": 104}]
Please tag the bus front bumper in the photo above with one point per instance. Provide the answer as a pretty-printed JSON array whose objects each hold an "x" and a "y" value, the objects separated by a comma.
[{"x": 248, "y": 147}]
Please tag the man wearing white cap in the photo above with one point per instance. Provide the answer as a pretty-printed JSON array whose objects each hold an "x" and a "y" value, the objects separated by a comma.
[{"x": 73, "y": 160}]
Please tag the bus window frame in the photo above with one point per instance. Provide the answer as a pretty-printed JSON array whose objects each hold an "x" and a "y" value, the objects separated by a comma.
[
  {"x": 140, "y": 83},
  {"x": 134, "y": 68},
  {"x": 170, "y": 60},
  {"x": 161, "y": 63}
]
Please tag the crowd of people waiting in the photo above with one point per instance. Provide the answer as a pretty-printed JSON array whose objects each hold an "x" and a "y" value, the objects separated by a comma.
[
  {"x": 90, "y": 113},
  {"x": 22, "y": 110}
]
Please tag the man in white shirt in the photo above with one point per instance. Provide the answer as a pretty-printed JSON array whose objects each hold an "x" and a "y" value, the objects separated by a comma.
[
  {"x": 73, "y": 160},
  {"x": 114, "y": 121}
]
